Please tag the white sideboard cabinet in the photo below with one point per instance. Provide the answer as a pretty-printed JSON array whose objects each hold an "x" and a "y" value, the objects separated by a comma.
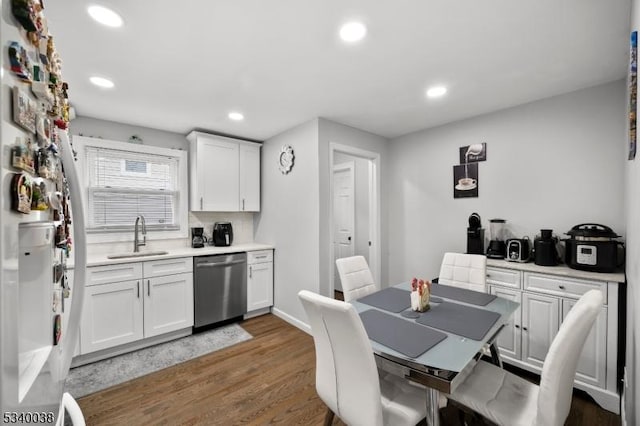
[
  {"x": 546, "y": 295},
  {"x": 224, "y": 173}
]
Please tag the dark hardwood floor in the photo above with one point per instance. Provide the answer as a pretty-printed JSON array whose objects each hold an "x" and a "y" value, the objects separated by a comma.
[{"x": 268, "y": 379}]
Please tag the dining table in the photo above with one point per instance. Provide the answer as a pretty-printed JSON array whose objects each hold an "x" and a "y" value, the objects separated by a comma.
[{"x": 437, "y": 348}]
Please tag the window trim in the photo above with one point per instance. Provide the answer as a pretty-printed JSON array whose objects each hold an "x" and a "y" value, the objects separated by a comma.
[{"x": 80, "y": 143}]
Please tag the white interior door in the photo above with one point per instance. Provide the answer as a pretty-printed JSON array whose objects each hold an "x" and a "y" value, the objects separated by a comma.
[{"x": 343, "y": 214}]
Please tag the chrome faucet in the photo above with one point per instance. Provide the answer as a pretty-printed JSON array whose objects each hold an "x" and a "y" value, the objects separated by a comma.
[{"x": 136, "y": 239}]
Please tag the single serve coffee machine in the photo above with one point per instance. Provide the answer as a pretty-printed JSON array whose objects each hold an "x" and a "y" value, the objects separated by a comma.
[{"x": 475, "y": 235}]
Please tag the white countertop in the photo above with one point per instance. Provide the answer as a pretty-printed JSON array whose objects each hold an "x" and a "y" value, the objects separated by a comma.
[
  {"x": 561, "y": 270},
  {"x": 101, "y": 259}
]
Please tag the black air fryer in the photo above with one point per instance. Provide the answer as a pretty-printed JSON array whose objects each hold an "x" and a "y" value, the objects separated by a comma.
[{"x": 222, "y": 234}]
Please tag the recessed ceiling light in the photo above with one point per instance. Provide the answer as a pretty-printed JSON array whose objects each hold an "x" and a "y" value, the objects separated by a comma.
[
  {"x": 105, "y": 16},
  {"x": 236, "y": 116},
  {"x": 353, "y": 31},
  {"x": 102, "y": 82},
  {"x": 436, "y": 91}
]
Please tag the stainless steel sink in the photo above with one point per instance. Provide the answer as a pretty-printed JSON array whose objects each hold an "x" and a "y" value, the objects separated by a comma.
[{"x": 140, "y": 254}]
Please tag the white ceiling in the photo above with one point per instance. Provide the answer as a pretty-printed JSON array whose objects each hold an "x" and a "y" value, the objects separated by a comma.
[{"x": 184, "y": 65}]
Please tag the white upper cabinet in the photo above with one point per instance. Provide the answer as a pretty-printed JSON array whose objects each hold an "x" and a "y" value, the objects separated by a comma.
[
  {"x": 249, "y": 178},
  {"x": 224, "y": 173}
]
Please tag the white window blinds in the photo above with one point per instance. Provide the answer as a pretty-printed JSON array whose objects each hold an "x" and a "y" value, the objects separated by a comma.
[{"x": 125, "y": 184}]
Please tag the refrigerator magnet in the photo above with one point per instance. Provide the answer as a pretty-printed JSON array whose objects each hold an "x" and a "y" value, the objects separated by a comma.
[
  {"x": 57, "y": 329},
  {"x": 21, "y": 193}
]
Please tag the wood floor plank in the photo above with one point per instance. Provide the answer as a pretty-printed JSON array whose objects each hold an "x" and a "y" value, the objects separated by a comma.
[{"x": 269, "y": 379}]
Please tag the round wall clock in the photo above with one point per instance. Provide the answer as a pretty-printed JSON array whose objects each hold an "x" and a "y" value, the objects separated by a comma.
[{"x": 285, "y": 160}]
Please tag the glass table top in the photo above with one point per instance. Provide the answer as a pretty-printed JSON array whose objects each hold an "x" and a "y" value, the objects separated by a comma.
[{"x": 454, "y": 352}]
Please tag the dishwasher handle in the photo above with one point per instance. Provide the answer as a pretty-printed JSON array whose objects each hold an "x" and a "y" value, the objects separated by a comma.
[{"x": 218, "y": 264}]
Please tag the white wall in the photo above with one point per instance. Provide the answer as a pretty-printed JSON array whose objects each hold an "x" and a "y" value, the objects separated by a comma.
[
  {"x": 289, "y": 217},
  {"x": 332, "y": 132},
  {"x": 632, "y": 210},
  {"x": 553, "y": 163},
  {"x": 112, "y": 130}
]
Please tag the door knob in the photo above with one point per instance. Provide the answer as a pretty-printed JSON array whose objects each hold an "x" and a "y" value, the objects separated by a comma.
[{"x": 349, "y": 239}]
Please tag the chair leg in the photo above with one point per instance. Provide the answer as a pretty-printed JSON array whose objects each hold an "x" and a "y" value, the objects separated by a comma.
[
  {"x": 495, "y": 354},
  {"x": 328, "y": 418}
]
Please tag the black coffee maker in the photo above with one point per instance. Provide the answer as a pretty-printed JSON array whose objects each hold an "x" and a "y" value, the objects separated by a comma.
[
  {"x": 544, "y": 249},
  {"x": 475, "y": 235},
  {"x": 197, "y": 237}
]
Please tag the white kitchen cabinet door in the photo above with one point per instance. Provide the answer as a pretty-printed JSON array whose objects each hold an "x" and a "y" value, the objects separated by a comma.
[
  {"x": 168, "y": 303},
  {"x": 259, "y": 286},
  {"x": 540, "y": 321},
  {"x": 217, "y": 175},
  {"x": 111, "y": 315},
  {"x": 249, "y": 178},
  {"x": 510, "y": 338},
  {"x": 592, "y": 364}
]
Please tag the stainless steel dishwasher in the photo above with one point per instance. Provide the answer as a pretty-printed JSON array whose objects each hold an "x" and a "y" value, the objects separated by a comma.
[{"x": 220, "y": 288}]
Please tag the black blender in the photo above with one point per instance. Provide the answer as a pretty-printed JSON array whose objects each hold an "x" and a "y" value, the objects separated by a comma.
[{"x": 497, "y": 248}]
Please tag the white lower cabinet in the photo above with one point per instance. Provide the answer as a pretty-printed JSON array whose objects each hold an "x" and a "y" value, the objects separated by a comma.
[
  {"x": 545, "y": 300},
  {"x": 540, "y": 319},
  {"x": 117, "y": 313},
  {"x": 112, "y": 315},
  {"x": 259, "y": 280}
]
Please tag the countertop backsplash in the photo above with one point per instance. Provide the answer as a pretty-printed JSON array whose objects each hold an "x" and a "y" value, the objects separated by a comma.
[
  {"x": 242, "y": 233},
  {"x": 241, "y": 222}
]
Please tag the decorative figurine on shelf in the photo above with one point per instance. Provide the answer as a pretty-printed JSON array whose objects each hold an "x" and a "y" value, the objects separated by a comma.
[
  {"x": 21, "y": 192},
  {"x": 420, "y": 294}
]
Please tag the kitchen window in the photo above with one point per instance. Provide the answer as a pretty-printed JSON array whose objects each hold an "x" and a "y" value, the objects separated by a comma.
[{"x": 124, "y": 181}]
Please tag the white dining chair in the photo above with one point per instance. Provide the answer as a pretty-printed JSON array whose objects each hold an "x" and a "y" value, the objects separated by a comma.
[
  {"x": 346, "y": 376},
  {"x": 509, "y": 400},
  {"x": 464, "y": 271},
  {"x": 356, "y": 278}
]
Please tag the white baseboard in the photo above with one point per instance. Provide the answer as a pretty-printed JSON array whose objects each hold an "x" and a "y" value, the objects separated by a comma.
[{"x": 291, "y": 320}]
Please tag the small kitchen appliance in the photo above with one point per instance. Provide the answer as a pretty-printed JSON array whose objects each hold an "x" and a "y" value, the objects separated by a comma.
[
  {"x": 222, "y": 234},
  {"x": 544, "y": 249},
  {"x": 592, "y": 247},
  {"x": 197, "y": 237},
  {"x": 497, "y": 248},
  {"x": 518, "y": 250},
  {"x": 475, "y": 235}
]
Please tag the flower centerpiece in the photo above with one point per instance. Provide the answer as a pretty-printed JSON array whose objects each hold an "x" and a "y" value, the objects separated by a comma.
[{"x": 420, "y": 293}]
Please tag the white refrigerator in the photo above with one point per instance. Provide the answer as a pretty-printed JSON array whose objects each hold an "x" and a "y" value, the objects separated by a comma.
[{"x": 39, "y": 310}]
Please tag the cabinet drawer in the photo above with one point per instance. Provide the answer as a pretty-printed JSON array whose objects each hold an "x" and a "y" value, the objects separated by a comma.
[
  {"x": 114, "y": 273},
  {"x": 503, "y": 277},
  {"x": 560, "y": 286},
  {"x": 156, "y": 268},
  {"x": 260, "y": 256}
]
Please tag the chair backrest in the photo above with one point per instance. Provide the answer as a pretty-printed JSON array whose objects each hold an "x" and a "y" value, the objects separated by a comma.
[
  {"x": 346, "y": 375},
  {"x": 559, "y": 369},
  {"x": 356, "y": 277},
  {"x": 464, "y": 270}
]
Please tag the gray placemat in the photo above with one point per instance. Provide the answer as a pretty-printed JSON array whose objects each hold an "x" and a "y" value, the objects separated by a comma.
[
  {"x": 390, "y": 299},
  {"x": 399, "y": 334},
  {"x": 462, "y": 294},
  {"x": 459, "y": 319}
]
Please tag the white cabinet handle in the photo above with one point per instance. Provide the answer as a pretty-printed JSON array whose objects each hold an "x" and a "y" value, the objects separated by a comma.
[
  {"x": 243, "y": 204},
  {"x": 149, "y": 288},
  {"x": 250, "y": 271},
  {"x": 561, "y": 287},
  {"x": 138, "y": 285},
  {"x": 201, "y": 205}
]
